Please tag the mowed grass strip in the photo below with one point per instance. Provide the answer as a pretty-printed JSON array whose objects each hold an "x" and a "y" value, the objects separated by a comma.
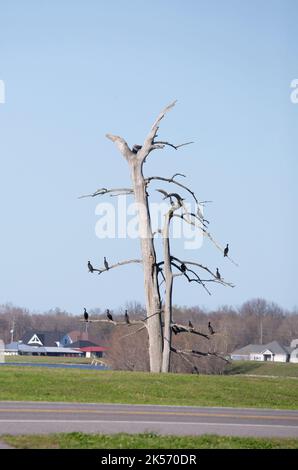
[
  {"x": 78, "y": 440},
  {"x": 34, "y": 383},
  {"x": 48, "y": 359},
  {"x": 276, "y": 369}
]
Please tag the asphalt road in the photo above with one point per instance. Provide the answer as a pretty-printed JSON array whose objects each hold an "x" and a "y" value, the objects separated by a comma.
[{"x": 47, "y": 417}]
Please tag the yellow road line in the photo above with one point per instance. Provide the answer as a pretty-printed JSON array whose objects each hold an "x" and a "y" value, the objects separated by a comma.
[{"x": 149, "y": 412}]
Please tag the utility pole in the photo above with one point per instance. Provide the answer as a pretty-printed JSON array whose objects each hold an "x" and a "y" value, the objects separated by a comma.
[
  {"x": 261, "y": 328},
  {"x": 12, "y": 331}
]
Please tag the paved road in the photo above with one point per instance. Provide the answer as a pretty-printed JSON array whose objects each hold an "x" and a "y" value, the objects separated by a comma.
[{"x": 46, "y": 417}]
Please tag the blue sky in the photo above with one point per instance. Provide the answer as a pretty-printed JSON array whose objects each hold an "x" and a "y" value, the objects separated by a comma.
[{"x": 74, "y": 70}]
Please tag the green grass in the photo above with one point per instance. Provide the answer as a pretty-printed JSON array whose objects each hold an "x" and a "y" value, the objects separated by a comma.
[
  {"x": 49, "y": 359},
  {"x": 279, "y": 369},
  {"x": 78, "y": 440},
  {"x": 34, "y": 383}
]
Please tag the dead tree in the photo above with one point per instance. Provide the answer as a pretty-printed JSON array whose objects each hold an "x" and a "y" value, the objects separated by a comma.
[{"x": 159, "y": 319}]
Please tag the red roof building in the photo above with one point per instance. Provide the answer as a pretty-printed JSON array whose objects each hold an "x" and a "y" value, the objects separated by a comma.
[{"x": 93, "y": 351}]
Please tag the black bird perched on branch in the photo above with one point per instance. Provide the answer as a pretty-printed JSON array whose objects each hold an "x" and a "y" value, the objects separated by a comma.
[
  {"x": 190, "y": 324},
  {"x": 106, "y": 263},
  {"x": 136, "y": 148},
  {"x": 109, "y": 315},
  {"x": 218, "y": 274},
  {"x": 126, "y": 317},
  {"x": 175, "y": 329},
  {"x": 226, "y": 250},
  {"x": 90, "y": 267},
  {"x": 86, "y": 316},
  {"x": 183, "y": 267},
  {"x": 211, "y": 330},
  {"x": 171, "y": 195}
]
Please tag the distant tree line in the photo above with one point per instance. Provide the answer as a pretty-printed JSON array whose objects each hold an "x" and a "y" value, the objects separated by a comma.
[{"x": 255, "y": 321}]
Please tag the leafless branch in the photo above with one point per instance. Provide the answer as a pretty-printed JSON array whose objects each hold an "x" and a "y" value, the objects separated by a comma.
[
  {"x": 116, "y": 323},
  {"x": 186, "y": 360},
  {"x": 161, "y": 144},
  {"x": 133, "y": 332},
  {"x": 171, "y": 195},
  {"x": 172, "y": 180},
  {"x": 187, "y": 329},
  {"x": 116, "y": 265},
  {"x": 178, "y": 174},
  {"x": 122, "y": 146},
  {"x": 183, "y": 273},
  {"x": 161, "y": 116},
  {"x": 149, "y": 140},
  {"x": 215, "y": 278},
  {"x": 102, "y": 191},
  {"x": 195, "y": 353},
  {"x": 153, "y": 314},
  {"x": 205, "y": 233}
]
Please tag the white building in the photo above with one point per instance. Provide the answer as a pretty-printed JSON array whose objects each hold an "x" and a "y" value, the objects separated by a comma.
[{"x": 273, "y": 352}]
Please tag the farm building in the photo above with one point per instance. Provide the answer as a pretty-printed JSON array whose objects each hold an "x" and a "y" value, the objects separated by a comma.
[{"x": 93, "y": 351}]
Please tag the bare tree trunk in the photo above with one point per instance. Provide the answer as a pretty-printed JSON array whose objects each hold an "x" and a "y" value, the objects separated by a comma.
[
  {"x": 168, "y": 295},
  {"x": 152, "y": 296}
]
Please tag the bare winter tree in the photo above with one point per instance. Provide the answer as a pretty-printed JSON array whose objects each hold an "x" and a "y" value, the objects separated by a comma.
[{"x": 159, "y": 321}]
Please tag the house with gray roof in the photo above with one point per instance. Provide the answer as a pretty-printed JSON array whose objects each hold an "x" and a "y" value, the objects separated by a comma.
[
  {"x": 54, "y": 343},
  {"x": 43, "y": 338},
  {"x": 272, "y": 351},
  {"x": 18, "y": 348},
  {"x": 294, "y": 351}
]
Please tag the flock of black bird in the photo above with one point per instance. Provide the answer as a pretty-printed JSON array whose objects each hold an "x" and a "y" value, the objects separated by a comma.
[
  {"x": 183, "y": 269},
  {"x": 108, "y": 314},
  {"x": 226, "y": 251},
  {"x": 91, "y": 268},
  {"x": 175, "y": 329}
]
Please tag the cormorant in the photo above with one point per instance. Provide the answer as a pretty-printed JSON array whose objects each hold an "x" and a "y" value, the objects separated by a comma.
[
  {"x": 190, "y": 324},
  {"x": 211, "y": 330},
  {"x": 226, "y": 251},
  {"x": 175, "y": 329},
  {"x": 90, "y": 267},
  {"x": 126, "y": 317},
  {"x": 183, "y": 267},
  {"x": 86, "y": 316},
  {"x": 136, "y": 148},
  {"x": 106, "y": 263},
  {"x": 218, "y": 274},
  {"x": 109, "y": 315}
]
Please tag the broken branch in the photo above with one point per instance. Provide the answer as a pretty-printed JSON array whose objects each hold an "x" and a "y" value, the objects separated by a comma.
[
  {"x": 116, "y": 265},
  {"x": 172, "y": 180},
  {"x": 195, "y": 353},
  {"x": 102, "y": 191}
]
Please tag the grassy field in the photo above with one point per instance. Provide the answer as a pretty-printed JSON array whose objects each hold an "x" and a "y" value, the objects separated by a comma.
[
  {"x": 48, "y": 359},
  {"x": 236, "y": 368},
  {"x": 144, "y": 441},
  {"x": 34, "y": 383},
  {"x": 280, "y": 369}
]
